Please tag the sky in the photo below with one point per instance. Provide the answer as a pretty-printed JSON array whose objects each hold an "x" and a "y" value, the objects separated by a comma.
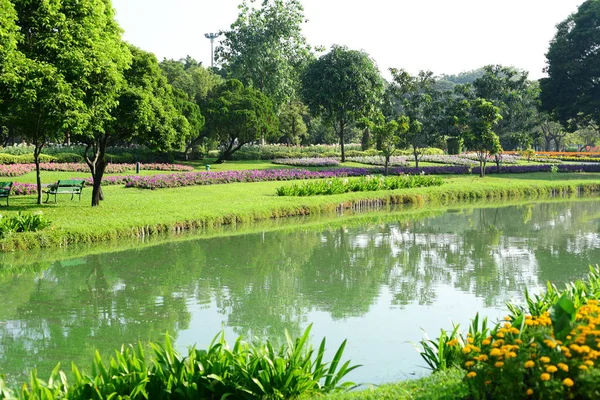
[{"x": 444, "y": 36}]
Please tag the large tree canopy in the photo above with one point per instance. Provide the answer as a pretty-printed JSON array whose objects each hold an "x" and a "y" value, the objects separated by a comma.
[
  {"x": 238, "y": 115},
  {"x": 265, "y": 48},
  {"x": 571, "y": 92},
  {"x": 341, "y": 87}
]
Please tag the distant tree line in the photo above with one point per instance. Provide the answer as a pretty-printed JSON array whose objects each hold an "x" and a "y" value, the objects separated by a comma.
[{"x": 66, "y": 75}]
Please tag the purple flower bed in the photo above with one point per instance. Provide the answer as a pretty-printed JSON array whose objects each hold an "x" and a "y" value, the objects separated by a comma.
[
  {"x": 213, "y": 178},
  {"x": 22, "y": 169}
]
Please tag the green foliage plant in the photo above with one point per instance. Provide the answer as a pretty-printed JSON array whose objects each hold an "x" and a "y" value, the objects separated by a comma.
[
  {"x": 29, "y": 222},
  {"x": 244, "y": 371},
  {"x": 361, "y": 184}
]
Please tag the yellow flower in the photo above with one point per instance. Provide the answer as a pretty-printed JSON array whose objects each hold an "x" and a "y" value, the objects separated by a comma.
[
  {"x": 563, "y": 366},
  {"x": 495, "y": 352},
  {"x": 568, "y": 382},
  {"x": 469, "y": 364},
  {"x": 472, "y": 374},
  {"x": 589, "y": 363},
  {"x": 545, "y": 359},
  {"x": 499, "y": 364},
  {"x": 466, "y": 349},
  {"x": 529, "y": 392},
  {"x": 500, "y": 335},
  {"x": 485, "y": 342},
  {"x": 529, "y": 364},
  {"x": 551, "y": 369},
  {"x": 452, "y": 342},
  {"x": 545, "y": 377},
  {"x": 583, "y": 367}
]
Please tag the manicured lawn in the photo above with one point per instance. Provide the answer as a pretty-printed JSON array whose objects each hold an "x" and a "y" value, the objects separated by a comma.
[{"x": 129, "y": 211}]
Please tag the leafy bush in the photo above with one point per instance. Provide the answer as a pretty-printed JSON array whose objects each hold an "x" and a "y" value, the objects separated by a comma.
[
  {"x": 69, "y": 158},
  {"x": 246, "y": 371},
  {"x": 7, "y": 158},
  {"x": 22, "y": 223},
  {"x": 546, "y": 350},
  {"x": 28, "y": 158},
  {"x": 362, "y": 184}
]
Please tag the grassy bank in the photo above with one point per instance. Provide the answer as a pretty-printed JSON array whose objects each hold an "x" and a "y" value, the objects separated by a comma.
[{"x": 136, "y": 213}]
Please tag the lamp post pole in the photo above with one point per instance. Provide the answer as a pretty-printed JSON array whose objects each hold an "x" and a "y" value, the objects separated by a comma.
[{"x": 212, "y": 37}]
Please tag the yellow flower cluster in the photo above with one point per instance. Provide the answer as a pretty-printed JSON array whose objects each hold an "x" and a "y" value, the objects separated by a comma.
[{"x": 540, "y": 356}]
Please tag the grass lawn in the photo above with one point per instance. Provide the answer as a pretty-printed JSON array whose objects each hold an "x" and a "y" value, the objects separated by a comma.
[{"x": 129, "y": 212}]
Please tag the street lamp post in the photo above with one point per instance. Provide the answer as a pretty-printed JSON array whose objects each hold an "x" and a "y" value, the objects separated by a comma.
[{"x": 212, "y": 37}]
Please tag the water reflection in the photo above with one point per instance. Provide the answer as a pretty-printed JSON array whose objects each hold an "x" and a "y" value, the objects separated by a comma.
[{"x": 374, "y": 283}]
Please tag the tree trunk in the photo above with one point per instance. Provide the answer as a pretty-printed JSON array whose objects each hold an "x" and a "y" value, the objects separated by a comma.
[
  {"x": 416, "y": 155},
  {"x": 97, "y": 165},
  {"x": 36, "y": 159},
  {"x": 497, "y": 158},
  {"x": 387, "y": 163},
  {"x": 341, "y": 133}
]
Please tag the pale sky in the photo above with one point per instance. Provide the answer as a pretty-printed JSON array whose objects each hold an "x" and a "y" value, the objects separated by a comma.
[{"x": 444, "y": 36}]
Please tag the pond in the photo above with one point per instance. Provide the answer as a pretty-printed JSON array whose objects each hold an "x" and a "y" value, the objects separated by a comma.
[{"x": 380, "y": 281}]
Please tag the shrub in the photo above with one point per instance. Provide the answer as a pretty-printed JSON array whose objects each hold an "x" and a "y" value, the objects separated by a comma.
[
  {"x": 7, "y": 158},
  {"x": 68, "y": 158},
  {"x": 546, "y": 350}
]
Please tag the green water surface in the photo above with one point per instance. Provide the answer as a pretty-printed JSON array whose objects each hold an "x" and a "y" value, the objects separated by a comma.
[{"x": 378, "y": 281}]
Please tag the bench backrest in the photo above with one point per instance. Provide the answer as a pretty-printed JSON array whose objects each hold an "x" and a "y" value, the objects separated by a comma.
[
  {"x": 5, "y": 187},
  {"x": 70, "y": 183}
]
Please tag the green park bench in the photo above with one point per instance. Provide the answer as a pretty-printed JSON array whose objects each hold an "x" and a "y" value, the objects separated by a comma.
[
  {"x": 69, "y": 186},
  {"x": 5, "y": 190}
]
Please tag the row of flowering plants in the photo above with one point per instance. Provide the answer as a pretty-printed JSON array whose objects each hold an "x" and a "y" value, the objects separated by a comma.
[
  {"x": 22, "y": 169},
  {"x": 380, "y": 160},
  {"x": 221, "y": 177},
  {"x": 547, "y": 350},
  {"x": 308, "y": 162},
  {"x": 449, "y": 159}
]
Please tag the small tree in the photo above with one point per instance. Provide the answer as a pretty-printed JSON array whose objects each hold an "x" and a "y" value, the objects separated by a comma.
[
  {"x": 480, "y": 137},
  {"x": 236, "y": 116},
  {"x": 342, "y": 86}
]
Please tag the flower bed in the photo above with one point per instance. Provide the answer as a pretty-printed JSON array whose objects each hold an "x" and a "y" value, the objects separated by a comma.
[
  {"x": 379, "y": 160},
  {"x": 212, "y": 178},
  {"x": 22, "y": 169},
  {"x": 449, "y": 159},
  {"x": 308, "y": 162}
]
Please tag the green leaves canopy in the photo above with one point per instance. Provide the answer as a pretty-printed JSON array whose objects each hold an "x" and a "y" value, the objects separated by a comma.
[
  {"x": 265, "y": 48},
  {"x": 238, "y": 115},
  {"x": 572, "y": 90},
  {"x": 341, "y": 87}
]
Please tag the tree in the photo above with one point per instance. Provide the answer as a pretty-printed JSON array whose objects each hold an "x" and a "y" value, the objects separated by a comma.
[
  {"x": 388, "y": 134},
  {"x": 516, "y": 97},
  {"x": 420, "y": 102},
  {"x": 38, "y": 96},
  {"x": 265, "y": 48},
  {"x": 292, "y": 127},
  {"x": 341, "y": 87},
  {"x": 238, "y": 115},
  {"x": 572, "y": 89},
  {"x": 480, "y": 138},
  {"x": 145, "y": 114}
]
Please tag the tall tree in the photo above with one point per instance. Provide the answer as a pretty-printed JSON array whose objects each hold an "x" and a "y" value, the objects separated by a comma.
[
  {"x": 517, "y": 98},
  {"x": 572, "y": 89},
  {"x": 38, "y": 95},
  {"x": 145, "y": 114},
  {"x": 480, "y": 137},
  {"x": 292, "y": 127},
  {"x": 238, "y": 115},
  {"x": 265, "y": 48},
  {"x": 341, "y": 87},
  {"x": 388, "y": 134}
]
